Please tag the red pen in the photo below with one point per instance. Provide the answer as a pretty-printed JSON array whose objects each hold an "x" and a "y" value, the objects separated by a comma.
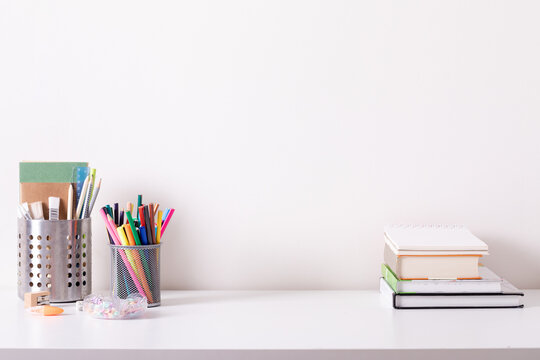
[{"x": 141, "y": 215}]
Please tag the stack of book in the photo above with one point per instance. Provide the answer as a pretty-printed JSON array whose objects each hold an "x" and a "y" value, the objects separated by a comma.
[{"x": 438, "y": 266}]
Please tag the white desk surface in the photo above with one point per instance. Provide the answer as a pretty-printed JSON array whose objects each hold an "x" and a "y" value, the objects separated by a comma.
[{"x": 273, "y": 320}]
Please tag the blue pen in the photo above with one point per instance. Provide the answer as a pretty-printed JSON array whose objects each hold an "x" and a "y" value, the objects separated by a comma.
[{"x": 143, "y": 235}]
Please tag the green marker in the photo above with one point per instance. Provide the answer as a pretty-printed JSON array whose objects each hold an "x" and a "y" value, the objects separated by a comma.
[
  {"x": 133, "y": 228},
  {"x": 139, "y": 203}
]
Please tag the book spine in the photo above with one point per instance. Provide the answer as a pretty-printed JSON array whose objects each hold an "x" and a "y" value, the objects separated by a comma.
[{"x": 390, "y": 277}]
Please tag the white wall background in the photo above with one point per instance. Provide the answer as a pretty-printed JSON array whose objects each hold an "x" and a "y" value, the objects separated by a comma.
[{"x": 285, "y": 133}]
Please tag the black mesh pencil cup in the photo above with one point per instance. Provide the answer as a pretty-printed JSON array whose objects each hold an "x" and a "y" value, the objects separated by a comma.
[
  {"x": 55, "y": 255},
  {"x": 136, "y": 269}
]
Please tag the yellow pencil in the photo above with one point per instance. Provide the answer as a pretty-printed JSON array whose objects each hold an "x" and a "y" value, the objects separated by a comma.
[{"x": 158, "y": 235}]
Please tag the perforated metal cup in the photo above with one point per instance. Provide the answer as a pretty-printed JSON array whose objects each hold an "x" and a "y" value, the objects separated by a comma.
[
  {"x": 135, "y": 269},
  {"x": 55, "y": 255}
]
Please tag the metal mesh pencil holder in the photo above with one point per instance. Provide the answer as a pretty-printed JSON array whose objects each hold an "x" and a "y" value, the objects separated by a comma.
[
  {"x": 136, "y": 269},
  {"x": 55, "y": 255}
]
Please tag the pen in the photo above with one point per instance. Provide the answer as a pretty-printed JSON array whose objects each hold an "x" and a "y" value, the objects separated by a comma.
[
  {"x": 149, "y": 236},
  {"x": 158, "y": 232},
  {"x": 132, "y": 227},
  {"x": 139, "y": 203},
  {"x": 167, "y": 221},
  {"x": 116, "y": 214}
]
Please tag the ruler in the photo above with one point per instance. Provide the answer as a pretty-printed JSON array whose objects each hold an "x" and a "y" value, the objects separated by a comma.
[{"x": 79, "y": 175}]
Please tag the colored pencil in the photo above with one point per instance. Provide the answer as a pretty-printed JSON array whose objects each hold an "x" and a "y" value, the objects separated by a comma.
[
  {"x": 93, "y": 178},
  {"x": 82, "y": 198},
  {"x": 86, "y": 206},
  {"x": 94, "y": 196}
]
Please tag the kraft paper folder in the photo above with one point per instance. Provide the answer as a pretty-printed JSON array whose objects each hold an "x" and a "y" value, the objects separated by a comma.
[{"x": 39, "y": 180}]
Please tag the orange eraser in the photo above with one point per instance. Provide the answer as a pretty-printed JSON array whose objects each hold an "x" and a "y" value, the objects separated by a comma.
[{"x": 46, "y": 310}]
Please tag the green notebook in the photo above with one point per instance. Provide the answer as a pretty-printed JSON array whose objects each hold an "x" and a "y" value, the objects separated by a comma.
[{"x": 48, "y": 172}]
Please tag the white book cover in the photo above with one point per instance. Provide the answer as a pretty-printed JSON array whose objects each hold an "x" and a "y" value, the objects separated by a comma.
[
  {"x": 509, "y": 297},
  {"x": 434, "y": 238},
  {"x": 490, "y": 283}
]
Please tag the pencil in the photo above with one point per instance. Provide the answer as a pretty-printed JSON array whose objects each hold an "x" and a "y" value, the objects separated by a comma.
[
  {"x": 93, "y": 172},
  {"x": 82, "y": 197},
  {"x": 86, "y": 206},
  {"x": 94, "y": 196},
  {"x": 70, "y": 202}
]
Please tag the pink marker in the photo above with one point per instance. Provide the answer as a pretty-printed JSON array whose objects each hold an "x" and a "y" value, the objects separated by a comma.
[
  {"x": 116, "y": 240},
  {"x": 169, "y": 215}
]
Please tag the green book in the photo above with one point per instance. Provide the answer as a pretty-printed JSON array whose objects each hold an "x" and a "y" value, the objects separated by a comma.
[
  {"x": 48, "y": 172},
  {"x": 489, "y": 283},
  {"x": 390, "y": 277}
]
